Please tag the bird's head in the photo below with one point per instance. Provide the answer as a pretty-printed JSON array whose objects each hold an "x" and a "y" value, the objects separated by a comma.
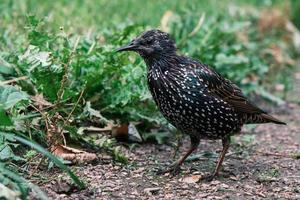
[{"x": 151, "y": 43}]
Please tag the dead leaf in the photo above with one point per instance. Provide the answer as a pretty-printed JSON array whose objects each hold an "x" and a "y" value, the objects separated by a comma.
[
  {"x": 120, "y": 132},
  {"x": 138, "y": 171},
  {"x": 271, "y": 19},
  {"x": 40, "y": 102},
  {"x": 279, "y": 87},
  {"x": 151, "y": 191},
  {"x": 63, "y": 187},
  {"x": 73, "y": 155},
  {"x": 277, "y": 53},
  {"x": 192, "y": 179},
  {"x": 165, "y": 20},
  {"x": 242, "y": 36},
  {"x": 280, "y": 56},
  {"x": 127, "y": 133},
  {"x": 198, "y": 26},
  {"x": 296, "y": 34}
]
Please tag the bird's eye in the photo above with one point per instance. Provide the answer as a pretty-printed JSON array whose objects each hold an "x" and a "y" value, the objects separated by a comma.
[{"x": 148, "y": 42}]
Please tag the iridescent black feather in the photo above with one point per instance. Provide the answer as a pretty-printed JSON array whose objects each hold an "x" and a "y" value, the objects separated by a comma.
[{"x": 192, "y": 96}]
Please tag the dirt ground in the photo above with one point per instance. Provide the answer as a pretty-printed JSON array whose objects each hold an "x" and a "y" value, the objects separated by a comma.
[{"x": 261, "y": 164}]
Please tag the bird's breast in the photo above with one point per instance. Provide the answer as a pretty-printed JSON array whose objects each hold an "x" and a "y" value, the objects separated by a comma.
[{"x": 187, "y": 103}]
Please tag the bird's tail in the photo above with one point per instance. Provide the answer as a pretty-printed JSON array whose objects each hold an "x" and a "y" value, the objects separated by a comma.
[
  {"x": 262, "y": 118},
  {"x": 272, "y": 119}
]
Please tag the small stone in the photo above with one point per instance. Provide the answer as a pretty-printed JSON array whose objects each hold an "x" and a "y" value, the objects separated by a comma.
[{"x": 151, "y": 191}]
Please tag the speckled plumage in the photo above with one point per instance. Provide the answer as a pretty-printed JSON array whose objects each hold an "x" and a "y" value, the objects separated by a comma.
[
  {"x": 184, "y": 98},
  {"x": 192, "y": 96}
]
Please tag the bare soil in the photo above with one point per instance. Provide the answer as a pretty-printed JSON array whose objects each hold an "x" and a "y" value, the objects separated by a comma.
[{"x": 261, "y": 164}]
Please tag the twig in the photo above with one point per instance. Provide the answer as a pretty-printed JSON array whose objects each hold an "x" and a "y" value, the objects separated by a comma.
[
  {"x": 43, "y": 116},
  {"x": 64, "y": 79},
  {"x": 194, "y": 31},
  {"x": 73, "y": 109},
  {"x": 46, "y": 119},
  {"x": 76, "y": 104},
  {"x": 91, "y": 48},
  {"x": 36, "y": 168},
  {"x": 97, "y": 129},
  {"x": 54, "y": 105},
  {"x": 48, "y": 123},
  {"x": 30, "y": 159},
  {"x": 199, "y": 25},
  {"x": 234, "y": 153},
  {"x": 274, "y": 154},
  {"x": 13, "y": 80}
]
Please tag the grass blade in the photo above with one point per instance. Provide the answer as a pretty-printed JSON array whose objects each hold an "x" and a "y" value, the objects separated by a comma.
[{"x": 46, "y": 153}]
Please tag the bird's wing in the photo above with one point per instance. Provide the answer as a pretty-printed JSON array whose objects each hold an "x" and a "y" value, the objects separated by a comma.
[{"x": 227, "y": 91}]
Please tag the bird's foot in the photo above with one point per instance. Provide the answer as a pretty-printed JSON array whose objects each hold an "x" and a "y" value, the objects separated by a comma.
[
  {"x": 209, "y": 177},
  {"x": 173, "y": 169}
]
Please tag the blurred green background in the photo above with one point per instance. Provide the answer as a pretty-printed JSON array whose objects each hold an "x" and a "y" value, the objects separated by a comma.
[
  {"x": 58, "y": 64},
  {"x": 247, "y": 41},
  {"x": 105, "y": 13}
]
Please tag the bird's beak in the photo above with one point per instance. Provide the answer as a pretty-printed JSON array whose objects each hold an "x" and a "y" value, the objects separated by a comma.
[{"x": 129, "y": 47}]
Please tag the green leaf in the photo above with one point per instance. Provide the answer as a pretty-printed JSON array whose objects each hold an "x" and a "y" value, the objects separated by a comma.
[
  {"x": 46, "y": 153},
  {"x": 248, "y": 138},
  {"x": 10, "y": 96},
  {"x": 35, "y": 57},
  {"x": 20, "y": 183},
  {"x": 33, "y": 20},
  {"x": 4, "y": 118},
  {"x": 6, "y": 70},
  {"x": 5, "y": 152},
  {"x": 7, "y": 193},
  {"x": 297, "y": 155}
]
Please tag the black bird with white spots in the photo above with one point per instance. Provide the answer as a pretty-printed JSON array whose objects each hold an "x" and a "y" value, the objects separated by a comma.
[{"x": 192, "y": 96}]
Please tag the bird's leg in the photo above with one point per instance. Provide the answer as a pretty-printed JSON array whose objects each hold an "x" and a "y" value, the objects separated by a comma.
[
  {"x": 175, "y": 167},
  {"x": 179, "y": 143},
  {"x": 226, "y": 143}
]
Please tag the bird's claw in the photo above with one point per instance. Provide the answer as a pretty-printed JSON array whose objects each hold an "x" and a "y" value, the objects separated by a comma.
[
  {"x": 173, "y": 170},
  {"x": 209, "y": 177}
]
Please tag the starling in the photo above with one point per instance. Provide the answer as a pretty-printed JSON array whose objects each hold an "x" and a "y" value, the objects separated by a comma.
[{"x": 193, "y": 97}]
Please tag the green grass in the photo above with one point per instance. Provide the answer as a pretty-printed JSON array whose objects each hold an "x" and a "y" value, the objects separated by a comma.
[{"x": 105, "y": 13}]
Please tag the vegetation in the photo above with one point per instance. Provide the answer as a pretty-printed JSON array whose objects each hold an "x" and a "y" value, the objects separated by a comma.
[{"x": 59, "y": 71}]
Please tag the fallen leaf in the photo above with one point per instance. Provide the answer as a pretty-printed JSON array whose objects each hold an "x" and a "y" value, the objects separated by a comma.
[
  {"x": 279, "y": 87},
  {"x": 192, "y": 179},
  {"x": 40, "y": 102},
  {"x": 165, "y": 20},
  {"x": 151, "y": 191},
  {"x": 296, "y": 34},
  {"x": 73, "y": 155},
  {"x": 127, "y": 133},
  {"x": 138, "y": 171},
  {"x": 63, "y": 187},
  {"x": 120, "y": 132},
  {"x": 271, "y": 19}
]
